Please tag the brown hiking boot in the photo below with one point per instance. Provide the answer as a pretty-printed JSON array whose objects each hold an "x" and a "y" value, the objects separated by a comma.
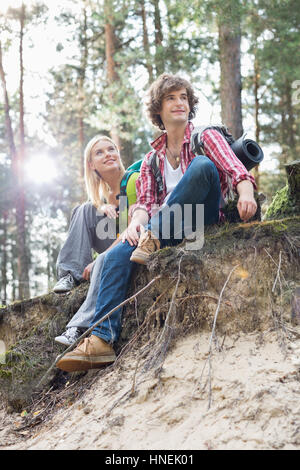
[
  {"x": 147, "y": 245},
  {"x": 91, "y": 353}
]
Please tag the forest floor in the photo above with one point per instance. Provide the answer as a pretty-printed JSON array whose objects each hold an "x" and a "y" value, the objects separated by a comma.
[{"x": 251, "y": 384}]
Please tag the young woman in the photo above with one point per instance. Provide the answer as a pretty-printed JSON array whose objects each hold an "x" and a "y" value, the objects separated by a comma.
[{"x": 104, "y": 171}]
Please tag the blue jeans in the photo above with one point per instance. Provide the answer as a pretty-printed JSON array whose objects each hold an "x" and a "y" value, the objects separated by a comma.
[{"x": 199, "y": 185}]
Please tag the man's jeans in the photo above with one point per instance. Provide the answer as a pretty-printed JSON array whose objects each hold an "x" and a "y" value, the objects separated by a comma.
[{"x": 199, "y": 185}]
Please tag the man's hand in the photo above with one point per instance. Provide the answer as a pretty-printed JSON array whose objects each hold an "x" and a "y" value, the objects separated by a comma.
[
  {"x": 135, "y": 228},
  {"x": 87, "y": 271},
  {"x": 246, "y": 204},
  {"x": 131, "y": 234}
]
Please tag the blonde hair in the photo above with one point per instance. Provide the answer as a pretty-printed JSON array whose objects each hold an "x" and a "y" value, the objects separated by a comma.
[{"x": 97, "y": 188}]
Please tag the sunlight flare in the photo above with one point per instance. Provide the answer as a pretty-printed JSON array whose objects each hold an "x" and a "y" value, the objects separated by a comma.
[{"x": 40, "y": 169}]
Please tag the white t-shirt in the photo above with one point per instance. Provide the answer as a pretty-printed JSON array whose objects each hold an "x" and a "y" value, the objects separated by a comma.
[{"x": 172, "y": 177}]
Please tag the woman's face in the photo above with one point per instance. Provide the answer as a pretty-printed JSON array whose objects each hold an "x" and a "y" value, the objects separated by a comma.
[{"x": 104, "y": 157}]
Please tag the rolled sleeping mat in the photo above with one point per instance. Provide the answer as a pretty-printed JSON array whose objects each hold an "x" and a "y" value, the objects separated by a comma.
[{"x": 248, "y": 152}]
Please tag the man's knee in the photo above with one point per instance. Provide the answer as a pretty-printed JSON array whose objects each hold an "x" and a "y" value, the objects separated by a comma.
[{"x": 202, "y": 165}]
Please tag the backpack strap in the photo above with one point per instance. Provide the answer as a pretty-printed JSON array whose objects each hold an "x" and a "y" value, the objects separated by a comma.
[
  {"x": 197, "y": 144},
  {"x": 153, "y": 162}
]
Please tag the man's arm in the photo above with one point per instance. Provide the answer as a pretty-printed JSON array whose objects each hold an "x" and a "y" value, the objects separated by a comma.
[
  {"x": 246, "y": 204},
  {"x": 226, "y": 161}
]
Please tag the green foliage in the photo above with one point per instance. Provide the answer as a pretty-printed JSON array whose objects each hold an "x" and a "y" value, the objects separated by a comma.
[{"x": 283, "y": 205}]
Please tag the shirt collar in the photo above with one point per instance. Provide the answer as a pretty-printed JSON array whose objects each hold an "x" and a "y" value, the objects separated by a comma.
[{"x": 159, "y": 144}]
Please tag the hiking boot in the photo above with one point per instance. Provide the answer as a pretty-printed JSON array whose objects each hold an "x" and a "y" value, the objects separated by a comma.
[
  {"x": 69, "y": 336},
  {"x": 147, "y": 245},
  {"x": 91, "y": 353},
  {"x": 65, "y": 284}
]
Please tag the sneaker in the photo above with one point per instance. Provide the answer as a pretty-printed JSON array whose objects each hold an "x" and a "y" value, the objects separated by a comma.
[
  {"x": 69, "y": 336},
  {"x": 91, "y": 353},
  {"x": 147, "y": 245},
  {"x": 65, "y": 284}
]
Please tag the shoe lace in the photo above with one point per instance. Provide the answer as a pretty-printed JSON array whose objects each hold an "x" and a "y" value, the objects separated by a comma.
[
  {"x": 148, "y": 243},
  {"x": 69, "y": 277},
  {"x": 84, "y": 343}
]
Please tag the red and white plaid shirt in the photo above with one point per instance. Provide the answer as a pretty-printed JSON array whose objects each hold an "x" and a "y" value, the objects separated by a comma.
[{"x": 231, "y": 170}]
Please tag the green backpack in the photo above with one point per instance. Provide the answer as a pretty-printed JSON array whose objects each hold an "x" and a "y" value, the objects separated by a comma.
[{"x": 125, "y": 185}]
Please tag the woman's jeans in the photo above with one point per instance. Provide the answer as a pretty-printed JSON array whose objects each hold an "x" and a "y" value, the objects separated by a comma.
[
  {"x": 199, "y": 185},
  {"x": 85, "y": 314},
  {"x": 76, "y": 252}
]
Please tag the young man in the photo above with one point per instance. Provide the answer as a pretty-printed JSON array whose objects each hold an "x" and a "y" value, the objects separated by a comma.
[{"x": 187, "y": 179}]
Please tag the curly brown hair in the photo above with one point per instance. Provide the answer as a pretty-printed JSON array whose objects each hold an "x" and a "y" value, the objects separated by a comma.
[{"x": 163, "y": 85}]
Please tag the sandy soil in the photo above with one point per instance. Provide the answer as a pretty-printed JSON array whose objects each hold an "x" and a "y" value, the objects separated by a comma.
[{"x": 255, "y": 404}]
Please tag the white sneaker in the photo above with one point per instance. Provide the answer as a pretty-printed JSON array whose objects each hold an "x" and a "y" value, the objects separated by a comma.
[
  {"x": 65, "y": 284},
  {"x": 69, "y": 336}
]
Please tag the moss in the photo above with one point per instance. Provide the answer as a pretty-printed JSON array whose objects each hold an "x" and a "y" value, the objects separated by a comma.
[
  {"x": 283, "y": 205},
  {"x": 30, "y": 357},
  {"x": 230, "y": 237}
]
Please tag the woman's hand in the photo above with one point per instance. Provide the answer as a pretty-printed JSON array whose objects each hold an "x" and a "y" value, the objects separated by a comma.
[
  {"x": 87, "y": 271},
  {"x": 110, "y": 211}
]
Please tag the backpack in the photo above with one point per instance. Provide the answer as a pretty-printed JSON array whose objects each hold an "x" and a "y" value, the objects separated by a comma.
[
  {"x": 197, "y": 145},
  {"x": 136, "y": 168}
]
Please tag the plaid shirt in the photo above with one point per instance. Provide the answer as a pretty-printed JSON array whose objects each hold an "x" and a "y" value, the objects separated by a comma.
[{"x": 231, "y": 170}]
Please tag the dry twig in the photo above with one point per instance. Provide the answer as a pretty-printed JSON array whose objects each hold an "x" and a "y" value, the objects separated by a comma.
[
  {"x": 164, "y": 339},
  {"x": 212, "y": 337}
]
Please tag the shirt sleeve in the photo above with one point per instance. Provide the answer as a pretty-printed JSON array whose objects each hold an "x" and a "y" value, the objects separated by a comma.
[
  {"x": 221, "y": 154},
  {"x": 145, "y": 191}
]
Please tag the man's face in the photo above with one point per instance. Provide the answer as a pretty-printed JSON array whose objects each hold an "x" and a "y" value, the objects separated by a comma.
[{"x": 175, "y": 107}]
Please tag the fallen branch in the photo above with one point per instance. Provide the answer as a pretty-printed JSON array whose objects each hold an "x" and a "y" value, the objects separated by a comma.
[{"x": 87, "y": 332}]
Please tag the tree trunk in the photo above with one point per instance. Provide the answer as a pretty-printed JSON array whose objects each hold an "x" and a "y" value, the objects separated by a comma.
[
  {"x": 110, "y": 50},
  {"x": 229, "y": 46},
  {"x": 81, "y": 97},
  {"x": 159, "y": 61},
  {"x": 113, "y": 78},
  {"x": 290, "y": 120},
  {"x": 4, "y": 260},
  {"x": 256, "y": 113},
  {"x": 146, "y": 42},
  {"x": 293, "y": 175},
  {"x": 23, "y": 264},
  {"x": 17, "y": 171},
  {"x": 8, "y": 123}
]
